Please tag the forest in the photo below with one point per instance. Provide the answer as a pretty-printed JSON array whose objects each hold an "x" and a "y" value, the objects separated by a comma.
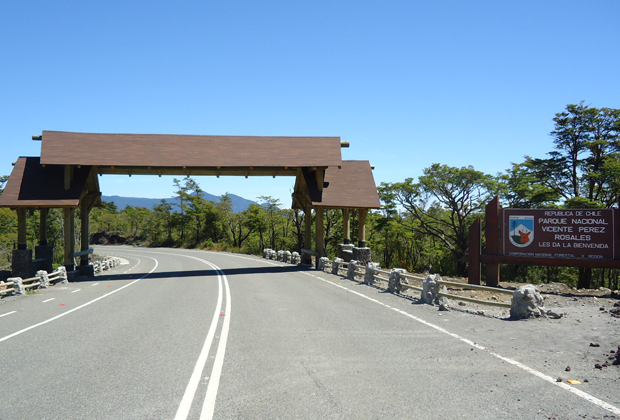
[{"x": 423, "y": 222}]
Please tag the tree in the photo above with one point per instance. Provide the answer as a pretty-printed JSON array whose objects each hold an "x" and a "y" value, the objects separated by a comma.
[
  {"x": 444, "y": 202},
  {"x": 582, "y": 169},
  {"x": 519, "y": 188},
  {"x": 164, "y": 218},
  {"x": 272, "y": 217}
]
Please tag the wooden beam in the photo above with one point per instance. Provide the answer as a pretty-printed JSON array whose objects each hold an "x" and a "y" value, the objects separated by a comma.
[
  {"x": 68, "y": 176},
  {"x": 555, "y": 262},
  {"x": 320, "y": 178},
  {"x": 197, "y": 170}
]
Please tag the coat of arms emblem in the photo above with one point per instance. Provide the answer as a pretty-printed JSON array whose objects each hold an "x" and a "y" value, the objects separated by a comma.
[{"x": 521, "y": 231}]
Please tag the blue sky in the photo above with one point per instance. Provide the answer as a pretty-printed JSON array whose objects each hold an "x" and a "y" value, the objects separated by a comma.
[{"x": 408, "y": 83}]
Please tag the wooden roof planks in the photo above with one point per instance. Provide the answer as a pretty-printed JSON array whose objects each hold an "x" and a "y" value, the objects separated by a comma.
[
  {"x": 171, "y": 150},
  {"x": 33, "y": 185}
]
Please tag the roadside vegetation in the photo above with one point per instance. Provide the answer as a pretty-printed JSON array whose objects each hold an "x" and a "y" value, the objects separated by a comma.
[{"x": 424, "y": 222}]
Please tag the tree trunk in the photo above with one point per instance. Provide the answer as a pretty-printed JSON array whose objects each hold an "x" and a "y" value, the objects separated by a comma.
[{"x": 585, "y": 278}]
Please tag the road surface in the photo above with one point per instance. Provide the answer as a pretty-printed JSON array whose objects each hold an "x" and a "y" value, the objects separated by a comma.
[{"x": 184, "y": 334}]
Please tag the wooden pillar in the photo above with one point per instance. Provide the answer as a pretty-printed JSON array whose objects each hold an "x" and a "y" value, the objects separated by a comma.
[
  {"x": 347, "y": 226},
  {"x": 69, "y": 228},
  {"x": 475, "y": 245},
  {"x": 68, "y": 176},
  {"x": 22, "y": 241},
  {"x": 43, "y": 226},
  {"x": 319, "y": 230},
  {"x": 319, "y": 175},
  {"x": 307, "y": 259},
  {"x": 493, "y": 243},
  {"x": 361, "y": 228},
  {"x": 85, "y": 233}
]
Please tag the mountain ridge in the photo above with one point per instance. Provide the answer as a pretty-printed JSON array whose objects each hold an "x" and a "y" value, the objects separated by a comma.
[{"x": 239, "y": 204}]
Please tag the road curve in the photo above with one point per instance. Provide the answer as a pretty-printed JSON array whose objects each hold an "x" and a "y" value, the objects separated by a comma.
[{"x": 182, "y": 334}]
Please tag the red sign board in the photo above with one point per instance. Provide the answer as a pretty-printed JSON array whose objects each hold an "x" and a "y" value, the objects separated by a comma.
[{"x": 572, "y": 233}]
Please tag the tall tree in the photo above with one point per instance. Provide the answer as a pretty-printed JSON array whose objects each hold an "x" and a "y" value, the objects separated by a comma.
[{"x": 444, "y": 201}]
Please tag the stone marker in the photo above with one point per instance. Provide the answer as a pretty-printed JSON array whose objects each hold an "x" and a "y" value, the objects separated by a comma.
[
  {"x": 527, "y": 303},
  {"x": 351, "y": 269},
  {"x": 371, "y": 267},
  {"x": 395, "y": 280},
  {"x": 431, "y": 289},
  {"x": 336, "y": 265}
]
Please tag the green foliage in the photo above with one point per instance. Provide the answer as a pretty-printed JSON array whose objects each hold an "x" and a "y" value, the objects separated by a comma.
[{"x": 423, "y": 223}]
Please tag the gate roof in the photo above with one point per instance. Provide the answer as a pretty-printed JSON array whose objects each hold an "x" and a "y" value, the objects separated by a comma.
[
  {"x": 33, "y": 185},
  {"x": 170, "y": 150},
  {"x": 349, "y": 185}
]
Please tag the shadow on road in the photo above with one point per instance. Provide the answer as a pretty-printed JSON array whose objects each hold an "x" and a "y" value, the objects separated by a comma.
[{"x": 198, "y": 273}]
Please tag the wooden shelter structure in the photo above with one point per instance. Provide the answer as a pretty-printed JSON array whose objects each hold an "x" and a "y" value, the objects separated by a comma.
[
  {"x": 33, "y": 186},
  {"x": 65, "y": 176}
]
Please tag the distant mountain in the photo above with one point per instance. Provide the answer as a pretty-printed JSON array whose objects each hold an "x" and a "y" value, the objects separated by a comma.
[{"x": 238, "y": 203}]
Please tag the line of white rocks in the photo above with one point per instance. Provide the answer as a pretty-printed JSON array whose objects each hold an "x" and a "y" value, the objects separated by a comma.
[{"x": 526, "y": 302}]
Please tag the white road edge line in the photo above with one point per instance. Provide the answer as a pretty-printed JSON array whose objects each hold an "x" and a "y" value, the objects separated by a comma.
[
  {"x": 528, "y": 369},
  {"x": 192, "y": 386},
  {"x": 79, "y": 307},
  {"x": 8, "y": 313},
  {"x": 208, "y": 406},
  {"x": 48, "y": 300}
]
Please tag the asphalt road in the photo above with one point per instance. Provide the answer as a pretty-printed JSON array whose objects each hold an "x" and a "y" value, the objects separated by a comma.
[{"x": 179, "y": 334}]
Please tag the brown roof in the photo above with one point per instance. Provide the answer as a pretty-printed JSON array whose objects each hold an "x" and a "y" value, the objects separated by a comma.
[
  {"x": 168, "y": 150},
  {"x": 350, "y": 186},
  {"x": 34, "y": 185}
]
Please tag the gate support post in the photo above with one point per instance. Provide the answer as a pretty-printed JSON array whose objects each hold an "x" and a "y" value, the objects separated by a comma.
[
  {"x": 306, "y": 258},
  {"x": 475, "y": 245},
  {"x": 85, "y": 225},
  {"x": 43, "y": 226},
  {"x": 320, "y": 235},
  {"x": 361, "y": 228},
  {"x": 21, "y": 229},
  {"x": 69, "y": 228},
  {"x": 346, "y": 227},
  {"x": 492, "y": 236}
]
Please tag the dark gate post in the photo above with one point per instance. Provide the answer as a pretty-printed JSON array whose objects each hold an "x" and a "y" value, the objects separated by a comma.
[
  {"x": 474, "y": 244},
  {"x": 492, "y": 236},
  {"x": 69, "y": 228}
]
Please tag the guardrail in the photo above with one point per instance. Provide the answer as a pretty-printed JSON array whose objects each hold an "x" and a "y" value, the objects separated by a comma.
[
  {"x": 525, "y": 301},
  {"x": 85, "y": 252},
  {"x": 388, "y": 276},
  {"x": 19, "y": 286}
]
